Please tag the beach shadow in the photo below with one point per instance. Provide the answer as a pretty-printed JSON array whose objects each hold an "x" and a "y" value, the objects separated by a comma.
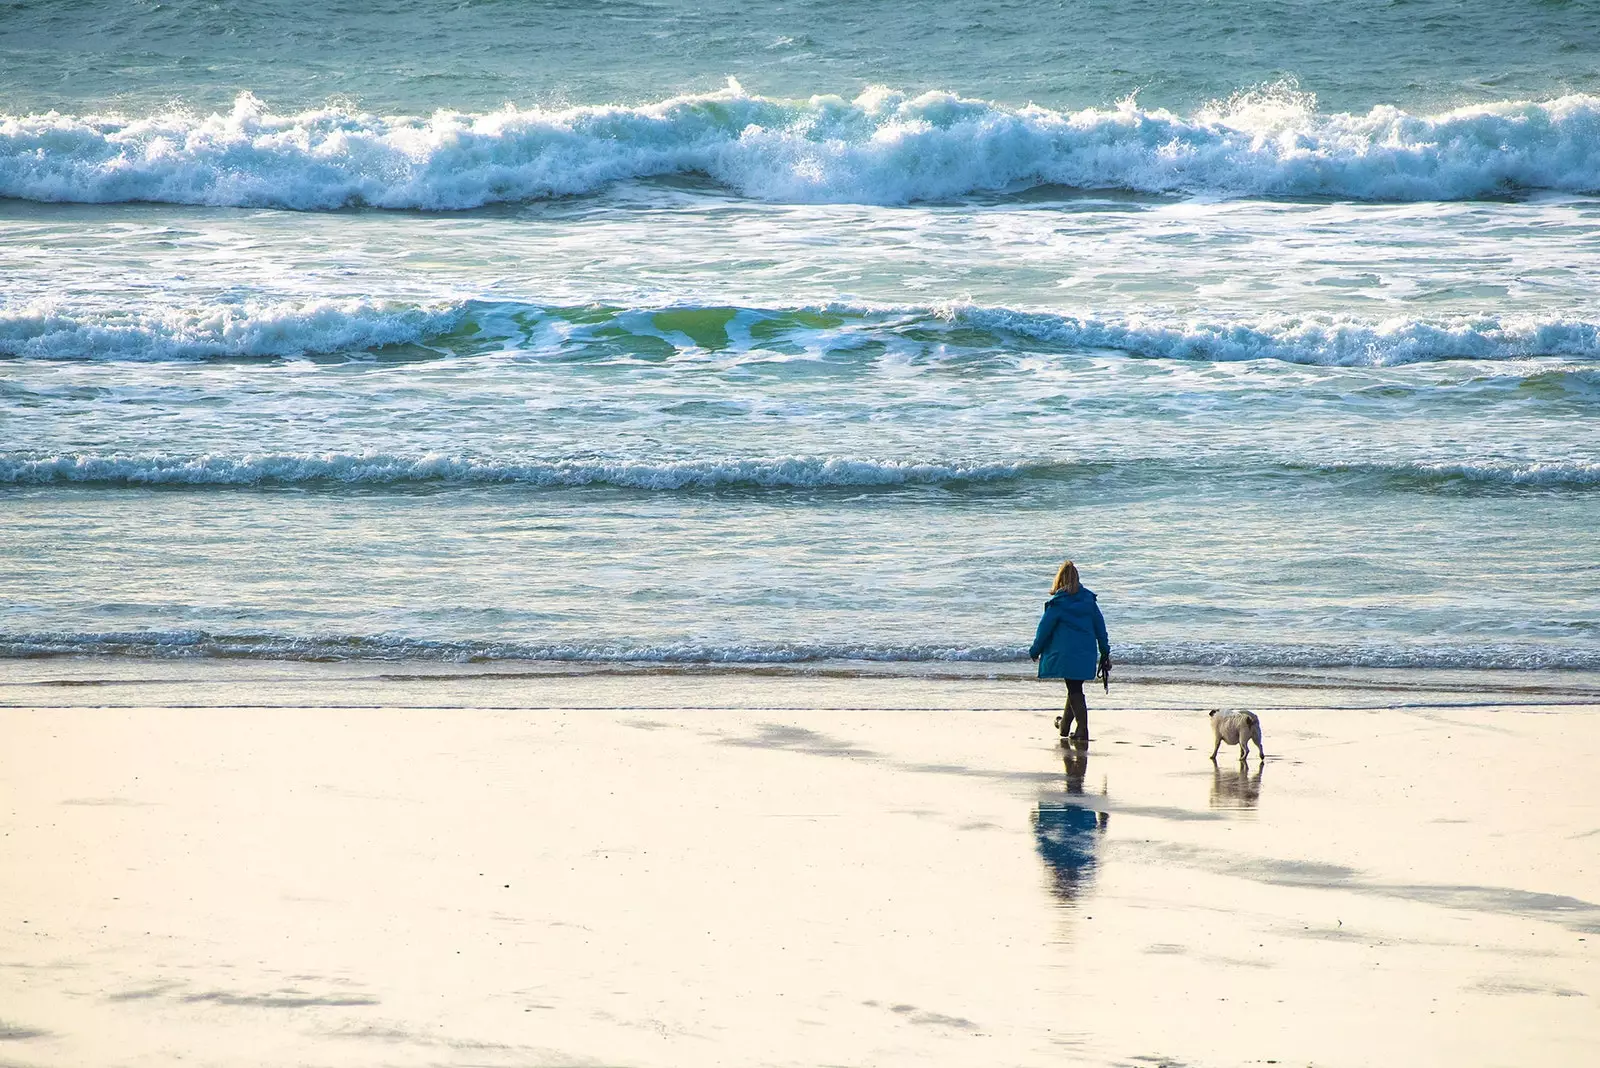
[
  {"x": 1236, "y": 787},
  {"x": 17, "y": 1033},
  {"x": 283, "y": 999},
  {"x": 1068, "y": 832}
]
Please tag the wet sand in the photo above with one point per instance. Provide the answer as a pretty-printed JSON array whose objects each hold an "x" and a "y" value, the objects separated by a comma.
[{"x": 295, "y": 865}]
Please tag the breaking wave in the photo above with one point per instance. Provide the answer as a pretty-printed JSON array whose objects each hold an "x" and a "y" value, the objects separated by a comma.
[
  {"x": 288, "y": 329},
  {"x": 883, "y": 147},
  {"x": 239, "y": 329}
]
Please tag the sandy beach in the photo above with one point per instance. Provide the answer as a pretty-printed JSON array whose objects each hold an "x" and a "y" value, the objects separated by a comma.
[{"x": 264, "y": 864}]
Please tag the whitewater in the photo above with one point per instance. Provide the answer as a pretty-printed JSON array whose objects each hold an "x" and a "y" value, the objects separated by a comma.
[
  {"x": 882, "y": 147},
  {"x": 297, "y": 329},
  {"x": 817, "y": 340}
]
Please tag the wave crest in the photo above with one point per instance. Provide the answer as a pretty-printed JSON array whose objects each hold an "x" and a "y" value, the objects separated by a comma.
[
  {"x": 883, "y": 147},
  {"x": 263, "y": 329}
]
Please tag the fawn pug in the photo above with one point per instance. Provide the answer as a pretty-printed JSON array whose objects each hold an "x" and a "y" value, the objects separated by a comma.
[{"x": 1236, "y": 726}]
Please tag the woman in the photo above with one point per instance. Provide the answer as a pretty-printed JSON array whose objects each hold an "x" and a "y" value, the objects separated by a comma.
[{"x": 1069, "y": 632}]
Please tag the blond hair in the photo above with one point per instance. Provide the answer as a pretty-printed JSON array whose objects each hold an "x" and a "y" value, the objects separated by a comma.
[{"x": 1066, "y": 579}]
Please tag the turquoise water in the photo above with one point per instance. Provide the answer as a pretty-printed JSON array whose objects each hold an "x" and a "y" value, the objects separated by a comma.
[
  {"x": 504, "y": 330},
  {"x": 414, "y": 56}
]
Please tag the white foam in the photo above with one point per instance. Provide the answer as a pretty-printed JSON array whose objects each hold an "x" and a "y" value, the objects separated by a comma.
[
  {"x": 246, "y": 328},
  {"x": 883, "y": 147}
]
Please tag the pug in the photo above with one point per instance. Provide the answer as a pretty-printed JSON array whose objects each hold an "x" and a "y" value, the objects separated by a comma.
[{"x": 1236, "y": 726}]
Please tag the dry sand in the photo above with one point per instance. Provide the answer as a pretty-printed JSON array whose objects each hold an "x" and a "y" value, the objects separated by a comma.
[{"x": 314, "y": 865}]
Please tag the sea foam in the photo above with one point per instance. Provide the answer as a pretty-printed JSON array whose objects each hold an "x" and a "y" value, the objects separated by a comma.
[{"x": 883, "y": 147}]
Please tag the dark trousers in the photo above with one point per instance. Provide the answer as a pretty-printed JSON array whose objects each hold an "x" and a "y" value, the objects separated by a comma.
[{"x": 1076, "y": 712}]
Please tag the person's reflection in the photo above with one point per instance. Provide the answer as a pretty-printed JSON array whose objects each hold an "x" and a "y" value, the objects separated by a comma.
[
  {"x": 1236, "y": 787},
  {"x": 1068, "y": 832}
]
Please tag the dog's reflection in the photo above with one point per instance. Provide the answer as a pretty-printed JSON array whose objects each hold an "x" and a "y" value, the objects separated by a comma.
[
  {"x": 1236, "y": 787},
  {"x": 1068, "y": 832}
]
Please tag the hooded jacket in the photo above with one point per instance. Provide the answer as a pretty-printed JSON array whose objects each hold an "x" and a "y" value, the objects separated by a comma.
[{"x": 1071, "y": 632}]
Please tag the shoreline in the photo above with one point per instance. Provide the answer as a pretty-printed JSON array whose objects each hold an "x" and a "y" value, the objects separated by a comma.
[{"x": 1158, "y": 683}]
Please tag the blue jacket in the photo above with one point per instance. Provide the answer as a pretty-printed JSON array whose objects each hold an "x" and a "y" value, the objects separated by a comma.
[{"x": 1070, "y": 632}]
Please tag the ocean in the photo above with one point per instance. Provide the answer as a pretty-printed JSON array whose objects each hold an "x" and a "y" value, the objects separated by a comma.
[{"x": 799, "y": 333}]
